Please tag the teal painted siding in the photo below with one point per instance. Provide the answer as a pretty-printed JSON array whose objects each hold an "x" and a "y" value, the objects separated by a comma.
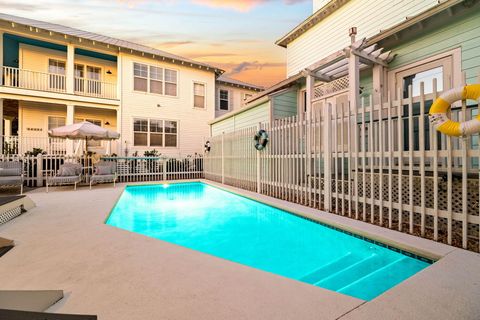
[
  {"x": 366, "y": 82},
  {"x": 464, "y": 33},
  {"x": 285, "y": 105},
  {"x": 246, "y": 119}
]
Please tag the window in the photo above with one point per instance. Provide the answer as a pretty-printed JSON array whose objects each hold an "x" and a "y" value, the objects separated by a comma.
[
  {"x": 93, "y": 80},
  {"x": 154, "y": 79},
  {"x": 55, "y": 122},
  {"x": 170, "y": 133},
  {"x": 224, "y": 101},
  {"x": 79, "y": 75},
  {"x": 140, "y": 132},
  {"x": 170, "y": 82},
  {"x": 441, "y": 71},
  {"x": 154, "y": 133},
  {"x": 199, "y": 95},
  {"x": 56, "y": 69},
  {"x": 140, "y": 77}
]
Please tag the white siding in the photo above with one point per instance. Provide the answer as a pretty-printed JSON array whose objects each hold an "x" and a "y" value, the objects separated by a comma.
[
  {"x": 331, "y": 34},
  {"x": 192, "y": 122},
  {"x": 236, "y": 96}
]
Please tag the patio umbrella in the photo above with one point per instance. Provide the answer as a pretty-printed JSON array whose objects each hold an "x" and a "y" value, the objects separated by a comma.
[{"x": 83, "y": 131}]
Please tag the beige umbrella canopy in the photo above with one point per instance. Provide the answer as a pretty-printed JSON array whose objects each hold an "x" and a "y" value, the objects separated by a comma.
[{"x": 83, "y": 130}]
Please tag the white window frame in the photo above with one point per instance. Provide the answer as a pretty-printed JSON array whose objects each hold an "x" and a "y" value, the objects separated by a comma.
[
  {"x": 148, "y": 132},
  {"x": 220, "y": 99},
  {"x": 54, "y": 116},
  {"x": 204, "y": 95},
  {"x": 163, "y": 80}
]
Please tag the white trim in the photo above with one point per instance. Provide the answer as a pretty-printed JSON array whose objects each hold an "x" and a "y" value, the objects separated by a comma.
[{"x": 204, "y": 94}]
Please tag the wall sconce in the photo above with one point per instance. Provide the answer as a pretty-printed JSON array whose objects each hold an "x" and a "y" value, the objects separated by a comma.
[
  {"x": 109, "y": 72},
  {"x": 107, "y": 123}
]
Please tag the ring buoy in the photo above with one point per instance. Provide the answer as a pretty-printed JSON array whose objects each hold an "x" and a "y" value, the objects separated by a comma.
[
  {"x": 207, "y": 147},
  {"x": 438, "y": 112},
  {"x": 261, "y": 140}
]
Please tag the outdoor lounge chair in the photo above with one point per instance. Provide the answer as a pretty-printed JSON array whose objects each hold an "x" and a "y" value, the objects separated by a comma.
[
  {"x": 104, "y": 172},
  {"x": 11, "y": 174},
  {"x": 67, "y": 174}
]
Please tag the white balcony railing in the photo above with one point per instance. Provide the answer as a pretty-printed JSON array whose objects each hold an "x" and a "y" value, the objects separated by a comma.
[
  {"x": 26, "y": 79},
  {"x": 34, "y": 80},
  {"x": 95, "y": 88}
]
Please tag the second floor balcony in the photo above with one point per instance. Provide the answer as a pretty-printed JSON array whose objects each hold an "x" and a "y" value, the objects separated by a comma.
[{"x": 52, "y": 82}]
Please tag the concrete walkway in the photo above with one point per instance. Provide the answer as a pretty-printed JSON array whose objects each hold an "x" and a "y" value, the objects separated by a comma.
[{"x": 63, "y": 243}]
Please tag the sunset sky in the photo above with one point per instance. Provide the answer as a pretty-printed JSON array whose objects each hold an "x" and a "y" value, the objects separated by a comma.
[{"x": 235, "y": 35}]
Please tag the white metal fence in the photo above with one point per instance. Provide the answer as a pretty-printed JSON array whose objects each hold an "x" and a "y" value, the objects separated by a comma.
[
  {"x": 382, "y": 163},
  {"x": 129, "y": 169}
]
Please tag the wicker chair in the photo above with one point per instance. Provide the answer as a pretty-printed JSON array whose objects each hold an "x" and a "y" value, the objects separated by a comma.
[
  {"x": 104, "y": 172},
  {"x": 11, "y": 174},
  {"x": 67, "y": 174}
]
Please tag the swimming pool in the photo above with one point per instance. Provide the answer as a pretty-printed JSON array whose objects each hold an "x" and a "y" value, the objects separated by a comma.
[{"x": 204, "y": 218}]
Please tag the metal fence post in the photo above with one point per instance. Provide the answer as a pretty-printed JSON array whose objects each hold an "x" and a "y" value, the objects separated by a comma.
[
  {"x": 223, "y": 158},
  {"x": 259, "y": 183},
  {"x": 164, "y": 169},
  {"x": 327, "y": 163},
  {"x": 39, "y": 160}
]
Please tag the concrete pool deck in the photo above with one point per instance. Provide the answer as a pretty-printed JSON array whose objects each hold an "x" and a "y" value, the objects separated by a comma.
[{"x": 63, "y": 243}]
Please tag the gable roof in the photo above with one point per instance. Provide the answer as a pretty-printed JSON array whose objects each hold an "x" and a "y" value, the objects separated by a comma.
[
  {"x": 310, "y": 22},
  {"x": 121, "y": 44},
  {"x": 238, "y": 83}
]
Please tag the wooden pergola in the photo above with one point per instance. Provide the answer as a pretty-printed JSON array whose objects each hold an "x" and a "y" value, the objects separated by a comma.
[{"x": 348, "y": 62}]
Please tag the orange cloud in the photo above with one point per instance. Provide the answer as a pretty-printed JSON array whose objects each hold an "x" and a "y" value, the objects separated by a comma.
[{"x": 243, "y": 6}]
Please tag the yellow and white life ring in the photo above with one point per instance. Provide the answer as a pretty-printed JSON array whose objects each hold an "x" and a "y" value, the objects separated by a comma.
[{"x": 439, "y": 109}]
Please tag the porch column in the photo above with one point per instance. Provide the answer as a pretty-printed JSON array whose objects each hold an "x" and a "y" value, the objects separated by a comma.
[
  {"x": 1, "y": 57},
  {"x": 70, "y": 72},
  {"x": 70, "y": 120},
  {"x": 1, "y": 126},
  {"x": 119, "y": 128}
]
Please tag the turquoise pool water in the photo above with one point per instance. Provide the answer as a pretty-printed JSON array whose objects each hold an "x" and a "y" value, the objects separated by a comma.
[{"x": 210, "y": 220}]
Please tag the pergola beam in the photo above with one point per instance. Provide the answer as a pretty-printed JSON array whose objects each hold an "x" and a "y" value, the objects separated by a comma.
[{"x": 368, "y": 57}]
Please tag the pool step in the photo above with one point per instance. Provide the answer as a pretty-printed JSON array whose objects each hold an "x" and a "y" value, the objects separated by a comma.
[
  {"x": 353, "y": 272},
  {"x": 329, "y": 268},
  {"x": 382, "y": 279}
]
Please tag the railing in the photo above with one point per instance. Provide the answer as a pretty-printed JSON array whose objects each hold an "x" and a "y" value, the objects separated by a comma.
[
  {"x": 25, "y": 79},
  {"x": 382, "y": 163},
  {"x": 19, "y": 145},
  {"x": 95, "y": 88},
  {"x": 129, "y": 169},
  {"x": 34, "y": 80}
]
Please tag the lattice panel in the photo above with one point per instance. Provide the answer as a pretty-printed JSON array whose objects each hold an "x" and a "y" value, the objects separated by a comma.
[{"x": 330, "y": 87}]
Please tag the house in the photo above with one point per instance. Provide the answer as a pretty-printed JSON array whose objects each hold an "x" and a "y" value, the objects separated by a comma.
[
  {"x": 350, "y": 49},
  {"x": 53, "y": 75},
  {"x": 232, "y": 94}
]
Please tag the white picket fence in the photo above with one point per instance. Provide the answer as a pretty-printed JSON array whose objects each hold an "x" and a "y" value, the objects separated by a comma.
[
  {"x": 382, "y": 163},
  {"x": 129, "y": 169}
]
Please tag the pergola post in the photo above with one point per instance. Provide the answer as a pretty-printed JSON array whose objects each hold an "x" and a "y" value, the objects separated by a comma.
[{"x": 378, "y": 74}]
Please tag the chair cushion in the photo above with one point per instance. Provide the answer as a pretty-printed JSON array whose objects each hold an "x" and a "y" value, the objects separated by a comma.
[
  {"x": 103, "y": 169},
  {"x": 10, "y": 172},
  {"x": 10, "y": 180},
  {"x": 76, "y": 166},
  {"x": 66, "y": 171}
]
